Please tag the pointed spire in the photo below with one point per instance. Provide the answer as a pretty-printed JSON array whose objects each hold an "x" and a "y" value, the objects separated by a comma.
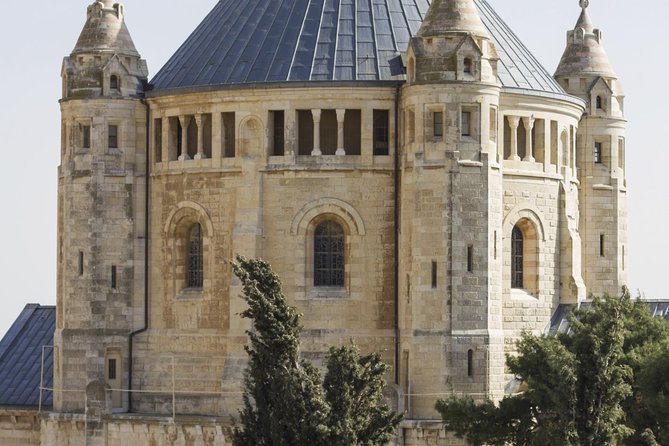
[
  {"x": 584, "y": 53},
  {"x": 105, "y": 30},
  {"x": 452, "y": 16},
  {"x": 584, "y": 20}
]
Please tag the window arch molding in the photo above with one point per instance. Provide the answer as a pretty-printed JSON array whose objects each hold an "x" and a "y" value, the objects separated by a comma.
[
  {"x": 178, "y": 231},
  {"x": 529, "y": 222},
  {"x": 341, "y": 210}
]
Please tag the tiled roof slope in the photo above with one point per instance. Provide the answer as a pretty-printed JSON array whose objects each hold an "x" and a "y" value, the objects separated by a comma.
[
  {"x": 21, "y": 357},
  {"x": 560, "y": 322},
  {"x": 269, "y": 41}
]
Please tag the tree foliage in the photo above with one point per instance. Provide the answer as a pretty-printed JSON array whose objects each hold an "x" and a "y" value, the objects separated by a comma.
[
  {"x": 602, "y": 383},
  {"x": 286, "y": 402}
]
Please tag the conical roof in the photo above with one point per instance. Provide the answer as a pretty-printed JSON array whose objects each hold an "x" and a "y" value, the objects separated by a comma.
[
  {"x": 105, "y": 31},
  {"x": 301, "y": 41},
  {"x": 448, "y": 16},
  {"x": 585, "y": 53}
]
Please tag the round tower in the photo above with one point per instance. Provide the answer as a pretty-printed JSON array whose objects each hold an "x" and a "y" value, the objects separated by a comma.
[
  {"x": 585, "y": 71},
  {"x": 101, "y": 202},
  {"x": 451, "y": 206}
]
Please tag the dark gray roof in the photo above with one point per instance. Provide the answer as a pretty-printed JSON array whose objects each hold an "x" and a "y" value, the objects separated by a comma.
[
  {"x": 270, "y": 41},
  {"x": 560, "y": 320},
  {"x": 21, "y": 357}
]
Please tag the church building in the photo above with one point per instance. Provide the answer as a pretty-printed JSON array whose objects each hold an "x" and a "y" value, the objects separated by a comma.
[{"x": 419, "y": 181}]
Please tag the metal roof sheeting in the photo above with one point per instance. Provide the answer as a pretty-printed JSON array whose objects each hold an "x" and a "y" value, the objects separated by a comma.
[
  {"x": 269, "y": 41},
  {"x": 21, "y": 358}
]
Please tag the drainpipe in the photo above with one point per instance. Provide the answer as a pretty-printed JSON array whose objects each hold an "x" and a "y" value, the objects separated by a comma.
[
  {"x": 146, "y": 260},
  {"x": 397, "y": 236}
]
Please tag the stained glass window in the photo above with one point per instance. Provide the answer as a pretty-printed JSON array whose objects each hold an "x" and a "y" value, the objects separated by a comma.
[
  {"x": 329, "y": 255},
  {"x": 194, "y": 260},
  {"x": 517, "y": 258}
]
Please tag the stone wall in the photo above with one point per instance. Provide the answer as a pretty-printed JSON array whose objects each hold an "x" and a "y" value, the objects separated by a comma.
[{"x": 19, "y": 427}]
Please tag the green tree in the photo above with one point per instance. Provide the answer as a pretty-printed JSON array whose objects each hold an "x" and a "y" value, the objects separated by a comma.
[
  {"x": 286, "y": 402},
  {"x": 578, "y": 384},
  {"x": 359, "y": 414}
]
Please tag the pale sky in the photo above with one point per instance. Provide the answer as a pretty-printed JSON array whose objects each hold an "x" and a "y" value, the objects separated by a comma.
[{"x": 35, "y": 36}]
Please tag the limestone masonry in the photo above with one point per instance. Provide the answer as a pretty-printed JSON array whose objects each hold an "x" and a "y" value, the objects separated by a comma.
[{"x": 418, "y": 180}]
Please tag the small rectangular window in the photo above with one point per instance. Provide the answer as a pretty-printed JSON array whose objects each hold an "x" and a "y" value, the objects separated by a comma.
[
  {"x": 111, "y": 369},
  {"x": 434, "y": 274},
  {"x": 86, "y": 137},
  {"x": 113, "y": 137},
  {"x": 113, "y": 276},
  {"x": 470, "y": 259},
  {"x": 623, "y": 259},
  {"x": 598, "y": 153},
  {"x": 81, "y": 263},
  {"x": 466, "y": 123},
  {"x": 278, "y": 132},
  {"x": 438, "y": 124},
  {"x": 381, "y": 132},
  {"x": 470, "y": 363},
  {"x": 601, "y": 245}
]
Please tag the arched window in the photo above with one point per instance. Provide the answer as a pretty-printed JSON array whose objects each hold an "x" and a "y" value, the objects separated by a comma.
[
  {"x": 113, "y": 83},
  {"x": 517, "y": 258},
  {"x": 329, "y": 255},
  {"x": 599, "y": 103},
  {"x": 194, "y": 257}
]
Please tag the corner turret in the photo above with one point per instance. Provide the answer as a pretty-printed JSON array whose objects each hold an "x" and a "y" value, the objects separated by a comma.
[
  {"x": 104, "y": 61},
  {"x": 452, "y": 44},
  {"x": 101, "y": 202},
  {"x": 586, "y": 72}
]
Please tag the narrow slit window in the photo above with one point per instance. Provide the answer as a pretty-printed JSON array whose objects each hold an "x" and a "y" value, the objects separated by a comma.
[
  {"x": 381, "y": 133},
  {"x": 434, "y": 274},
  {"x": 470, "y": 363},
  {"x": 599, "y": 103},
  {"x": 623, "y": 259},
  {"x": 113, "y": 276},
  {"x": 81, "y": 263},
  {"x": 86, "y": 137},
  {"x": 470, "y": 259},
  {"x": 601, "y": 245},
  {"x": 113, "y": 137},
  {"x": 111, "y": 369},
  {"x": 465, "y": 123},
  {"x": 438, "y": 124}
]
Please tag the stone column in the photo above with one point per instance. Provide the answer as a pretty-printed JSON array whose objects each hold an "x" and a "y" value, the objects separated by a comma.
[
  {"x": 514, "y": 121},
  {"x": 341, "y": 114},
  {"x": 166, "y": 139},
  {"x": 317, "y": 133},
  {"x": 199, "y": 120},
  {"x": 529, "y": 125},
  {"x": 217, "y": 136},
  {"x": 184, "y": 121}
]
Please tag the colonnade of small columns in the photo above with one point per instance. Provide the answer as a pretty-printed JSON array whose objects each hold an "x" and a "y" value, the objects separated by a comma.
[
  {"x": 213, "y": 135},
  {"x": 556, "y": 146},
  {"x": 341, "y": 115}
]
